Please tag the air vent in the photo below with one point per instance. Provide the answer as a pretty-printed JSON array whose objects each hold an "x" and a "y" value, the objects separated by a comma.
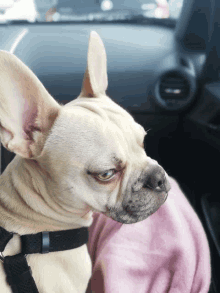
[{"x": 173, "y": 86}]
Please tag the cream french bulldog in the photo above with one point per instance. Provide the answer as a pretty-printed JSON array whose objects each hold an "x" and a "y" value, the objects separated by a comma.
[{"x": 71, "y": 160}]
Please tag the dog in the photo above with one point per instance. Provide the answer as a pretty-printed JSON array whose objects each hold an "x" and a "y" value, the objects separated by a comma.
[{"x": 71, "y": 160}]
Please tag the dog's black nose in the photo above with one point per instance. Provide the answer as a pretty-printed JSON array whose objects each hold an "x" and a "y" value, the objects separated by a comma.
[{"x": 156, "y": 180}]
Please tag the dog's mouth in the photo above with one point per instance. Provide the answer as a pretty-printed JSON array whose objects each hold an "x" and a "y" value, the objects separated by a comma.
[
  {"x": 130, "y": 214},
  {"x": 143, "y": 210}
]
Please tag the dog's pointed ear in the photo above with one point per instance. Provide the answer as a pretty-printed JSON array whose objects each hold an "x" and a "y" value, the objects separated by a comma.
[
  {"x": 27, "y": 111},
  {"x": 95, "y": 79}
]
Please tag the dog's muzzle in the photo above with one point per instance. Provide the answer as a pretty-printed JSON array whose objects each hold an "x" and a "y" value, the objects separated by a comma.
[{"x": 143, "y": 197}]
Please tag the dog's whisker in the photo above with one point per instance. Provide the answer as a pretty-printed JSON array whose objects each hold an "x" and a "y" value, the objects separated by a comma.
[
  {"x": 67, "y": 189},
  {"x": 75, "y": 222}
]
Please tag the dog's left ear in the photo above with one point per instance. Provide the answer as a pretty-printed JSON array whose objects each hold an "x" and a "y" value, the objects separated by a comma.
[
  {"x": 95, "y": 79},
  {"x": 27, "y": 111}
]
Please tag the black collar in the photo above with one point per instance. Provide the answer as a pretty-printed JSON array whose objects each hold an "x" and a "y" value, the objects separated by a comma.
[{"x": 18, "y": 272}]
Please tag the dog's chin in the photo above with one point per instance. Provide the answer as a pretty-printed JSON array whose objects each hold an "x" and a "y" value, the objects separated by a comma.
[
  {"x": 126, "y": 215},
  {"x": 130, "y": 217}
]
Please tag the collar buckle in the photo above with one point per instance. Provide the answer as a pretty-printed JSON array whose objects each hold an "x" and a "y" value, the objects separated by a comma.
[
  {"x": 45, "y": 242},
  {"x": 2, "y": 256}
]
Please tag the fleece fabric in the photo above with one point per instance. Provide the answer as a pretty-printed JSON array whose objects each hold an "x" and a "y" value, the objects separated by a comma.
[{"x": 166, "y": 253}]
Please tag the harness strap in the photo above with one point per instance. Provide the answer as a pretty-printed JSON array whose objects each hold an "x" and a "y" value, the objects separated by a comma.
[
  {"x": 18, "y": 273},
  {"x": 44, "y": 242},
  {"x": 5, "y": 236}
]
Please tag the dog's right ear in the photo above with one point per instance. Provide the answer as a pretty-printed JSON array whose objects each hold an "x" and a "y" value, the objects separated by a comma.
[
  {"x": 95, "y": 79},
  {"x": 27, "y": 111}
]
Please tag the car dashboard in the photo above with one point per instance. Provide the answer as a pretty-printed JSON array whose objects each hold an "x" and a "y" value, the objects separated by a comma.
[
  {"x": 145, "y": 65},
  {"x": 151, "y": 75}
]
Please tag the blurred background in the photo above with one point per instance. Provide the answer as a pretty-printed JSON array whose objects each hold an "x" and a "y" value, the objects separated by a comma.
[{"x": 71, "y": 10}]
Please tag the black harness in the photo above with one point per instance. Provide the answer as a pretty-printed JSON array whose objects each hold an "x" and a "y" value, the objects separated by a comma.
[{"x": 18, "y": 273}]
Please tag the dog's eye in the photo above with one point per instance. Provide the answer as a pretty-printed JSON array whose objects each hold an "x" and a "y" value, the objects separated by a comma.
[{"x": 107, "y": 175}]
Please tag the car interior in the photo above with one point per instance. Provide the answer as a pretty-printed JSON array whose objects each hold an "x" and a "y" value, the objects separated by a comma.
[{"x": 166, "y": 76}]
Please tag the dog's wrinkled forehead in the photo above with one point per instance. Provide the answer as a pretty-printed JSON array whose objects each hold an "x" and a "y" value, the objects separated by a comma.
[
  {"x": 95, "y": 131},
  {"x": 109, "y": 116},
  {"x": 95, "y": 135}
]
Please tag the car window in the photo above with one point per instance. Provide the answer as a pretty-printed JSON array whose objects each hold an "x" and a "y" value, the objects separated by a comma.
[{"x": 75, "y": 10}]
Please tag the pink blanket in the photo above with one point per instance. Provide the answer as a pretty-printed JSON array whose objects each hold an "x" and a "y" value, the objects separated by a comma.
[{"x": 168, "y": 252}]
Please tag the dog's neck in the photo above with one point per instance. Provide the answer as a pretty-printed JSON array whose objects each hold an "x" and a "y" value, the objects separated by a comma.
[{"x": 28, "y": 203}]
